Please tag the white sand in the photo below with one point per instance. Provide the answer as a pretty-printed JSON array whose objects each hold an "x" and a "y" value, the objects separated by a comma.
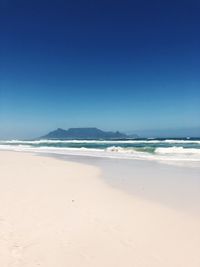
[{"x": 61, "y": 214}]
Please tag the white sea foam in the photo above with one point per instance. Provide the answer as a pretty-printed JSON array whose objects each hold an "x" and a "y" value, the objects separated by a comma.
[
  {"x": 177, "y": 150},
  {"x": 170, "y": 141},
  {"x": 172, "y": 155},
  {"x": 120, "y": 149},
  {"x": 111, "y": 152}
]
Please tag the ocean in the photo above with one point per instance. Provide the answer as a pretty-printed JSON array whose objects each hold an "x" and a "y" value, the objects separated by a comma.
[{"x": 166, "y": 150}]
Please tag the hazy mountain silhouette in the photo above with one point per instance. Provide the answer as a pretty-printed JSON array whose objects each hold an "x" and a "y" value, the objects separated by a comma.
[{"x": 83, "y": 133}]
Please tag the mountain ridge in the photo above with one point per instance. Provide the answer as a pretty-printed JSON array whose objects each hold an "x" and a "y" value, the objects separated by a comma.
[{"x": 84, "y": 133}]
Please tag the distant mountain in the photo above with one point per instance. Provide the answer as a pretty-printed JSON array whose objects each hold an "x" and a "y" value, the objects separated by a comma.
[{"x": 83, "y": 133}]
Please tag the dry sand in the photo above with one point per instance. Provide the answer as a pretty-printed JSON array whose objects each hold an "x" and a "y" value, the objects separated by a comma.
[{"x": 62, "y": 214}]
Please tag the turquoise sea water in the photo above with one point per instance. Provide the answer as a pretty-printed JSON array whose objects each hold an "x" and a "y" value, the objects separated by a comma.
[{"x": 161, "y": 149}]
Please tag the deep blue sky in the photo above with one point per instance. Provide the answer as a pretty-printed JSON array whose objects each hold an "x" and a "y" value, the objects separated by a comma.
[{"x": 117, "y": 65}]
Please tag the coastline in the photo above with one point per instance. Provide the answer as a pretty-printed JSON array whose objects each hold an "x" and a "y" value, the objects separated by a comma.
[
  {"x": 65, "y": 213},
  {"x": 175, "y": 186}
]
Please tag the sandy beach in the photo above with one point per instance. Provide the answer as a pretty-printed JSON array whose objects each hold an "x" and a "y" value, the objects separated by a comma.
[{"x": 57, "y": 213}]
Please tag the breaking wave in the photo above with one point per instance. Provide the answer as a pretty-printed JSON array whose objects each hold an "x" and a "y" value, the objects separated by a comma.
[
  {"x": 144, "y": 141},
  {"x": 112, "y": 149},
  {"x": 177, "y": 150}
]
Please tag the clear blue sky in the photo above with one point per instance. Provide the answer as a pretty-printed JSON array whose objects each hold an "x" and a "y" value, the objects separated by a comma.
[{"x": 116, "y": 65}]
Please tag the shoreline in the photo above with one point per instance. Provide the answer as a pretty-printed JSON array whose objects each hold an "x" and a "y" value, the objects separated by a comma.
[
  {"x": 64, "y": 213},
  {"x": 180, "y": 155},
  {"x": 173, "y": 186}
]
